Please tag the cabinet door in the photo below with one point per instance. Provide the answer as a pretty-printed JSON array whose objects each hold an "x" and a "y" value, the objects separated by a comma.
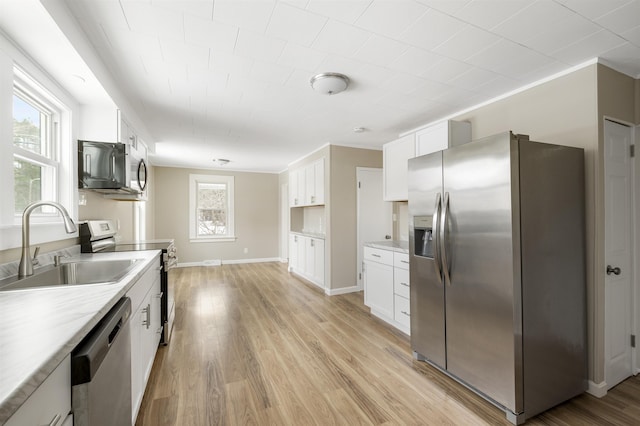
[
  {"x": 293, "y": 188},
  {"x": 318, "y": 263},
  {"x": 302, "y": 187},
  {"x": 310, "y": 185},
  {"x": 293, "y": 252},
  {"x": 310, "y": 257},
  {"x": 395, "y": 157},
  {"x": 137, "y": 388},
  {"x": 301, "y": 253},
  {"x": 152, "y": 330},
  {"x": 318, "y": 175},
  {"x": 432, "y": 139},
  {"x": 378, "y": 288}
]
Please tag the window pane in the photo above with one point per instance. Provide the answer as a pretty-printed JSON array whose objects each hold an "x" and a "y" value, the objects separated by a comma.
[
  {"x": 28, "y": 183},
  {"x": 212, "y": 209},
  {"x": 29, "y": 126}
]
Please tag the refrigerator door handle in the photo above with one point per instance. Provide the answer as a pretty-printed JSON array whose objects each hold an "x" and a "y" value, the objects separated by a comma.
[
  {"x": 436, "y": 236},
  {"x": 444, "y": 224}
]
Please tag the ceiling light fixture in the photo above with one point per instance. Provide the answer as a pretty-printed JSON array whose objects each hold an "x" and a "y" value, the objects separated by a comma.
[
  {"x": 221, "y": 161},
  {"x": 329, "y": 83}
]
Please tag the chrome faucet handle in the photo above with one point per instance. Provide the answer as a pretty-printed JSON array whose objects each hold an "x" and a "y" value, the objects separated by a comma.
[
  {"x": 35, "y": 260},
  {"x": 57, "y": 259}
]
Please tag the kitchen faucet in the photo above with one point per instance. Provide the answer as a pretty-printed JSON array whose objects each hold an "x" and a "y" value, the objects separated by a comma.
[{"x": 26, "y": 264}]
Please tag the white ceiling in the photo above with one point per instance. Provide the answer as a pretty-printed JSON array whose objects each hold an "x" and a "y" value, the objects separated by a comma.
[{"x": 230, "y": 78}]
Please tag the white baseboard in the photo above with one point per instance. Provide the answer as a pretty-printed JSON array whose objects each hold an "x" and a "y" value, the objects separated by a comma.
[
  {"x": 228, "y": 262},
  {"x": 342, "y": 290},
  {"x": 263, "y": 260},
  {"x": 597, "y": 389},
  {"x": 284, "y": 260}
]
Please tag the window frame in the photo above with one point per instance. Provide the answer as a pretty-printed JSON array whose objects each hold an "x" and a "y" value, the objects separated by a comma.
[
  {"x": 25, "y": 88},
  {"x": 17, "y": 70},
  {"x": 194, "y": 180}
]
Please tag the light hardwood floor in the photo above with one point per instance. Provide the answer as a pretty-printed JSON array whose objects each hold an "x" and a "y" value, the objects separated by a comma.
[{"x": 254, "y": 345}]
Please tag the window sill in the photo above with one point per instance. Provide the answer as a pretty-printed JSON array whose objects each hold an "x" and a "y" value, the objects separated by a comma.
[{"x": 213, "y": 240}]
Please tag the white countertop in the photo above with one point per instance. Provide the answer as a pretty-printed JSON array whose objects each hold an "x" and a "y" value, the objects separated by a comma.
[
  {"x": 399, "y": 246},
  {"x": 308, "y": 234},
  {"x": 40, "y": 327}
]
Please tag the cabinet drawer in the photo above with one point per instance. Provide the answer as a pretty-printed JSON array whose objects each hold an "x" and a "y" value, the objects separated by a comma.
[
  {"x": 139, "y": 290},
  {"x": 402, "y": 311},
  {"x": 378, "y": 255},
  {"x": 401, "y": 284},
  {"x": 400, "y": 260},
  {"x": 50, "y": 403}
]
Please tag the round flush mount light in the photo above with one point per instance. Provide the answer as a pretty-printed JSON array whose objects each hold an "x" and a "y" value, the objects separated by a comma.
[
  {"x": 221, "y": 161},
  {"x": 329, "y": 83}
]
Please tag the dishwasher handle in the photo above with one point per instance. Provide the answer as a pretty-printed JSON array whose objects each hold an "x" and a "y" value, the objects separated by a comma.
[{"x": 89, "y": 354}]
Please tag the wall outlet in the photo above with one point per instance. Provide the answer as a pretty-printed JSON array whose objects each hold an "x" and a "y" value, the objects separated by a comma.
[{"x": 246, "y": 250}]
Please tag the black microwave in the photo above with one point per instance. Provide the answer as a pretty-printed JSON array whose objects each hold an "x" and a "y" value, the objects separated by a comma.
[{"x": 110, "y": 168}]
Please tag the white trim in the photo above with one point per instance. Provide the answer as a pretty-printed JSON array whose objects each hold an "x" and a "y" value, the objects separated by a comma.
[
  {"x": 263, "y": 260},
  {"x": 597, "y": 389},
  {"x": 229, "y": 262},
  {"x": 341, "y": 290},
  {"x": 213, "y": 240}
]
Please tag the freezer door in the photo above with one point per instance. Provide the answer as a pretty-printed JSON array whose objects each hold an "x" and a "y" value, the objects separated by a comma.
[
  {"x": 427, "y": 290},
  {"x": 482, "y": 318}
]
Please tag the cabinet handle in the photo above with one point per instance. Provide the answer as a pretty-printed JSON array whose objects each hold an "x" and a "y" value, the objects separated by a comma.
[
  {"x": 406, "y": 313},
  {"x": 313, "y": 198},
  {"x": 404, "y": 284},
  {"x": 311, "y": 242},
  {"x": 405, "y": 261},
  {"x": 159, "y": 268},
  {"x": 159, "y": 295},
  {"x": 375, "y": 255},
  {"x": 55, "y": 420},
  {"x": 147, "y": 311}
]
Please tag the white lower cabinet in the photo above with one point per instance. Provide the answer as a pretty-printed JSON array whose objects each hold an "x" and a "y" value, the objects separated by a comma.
[
  {"x": 50, "y": 404},
  {"x": 387, "y": 287},
  {"x": 306, "y": 257},
  {"x": 145, "y": 332},
  {"x": 378, "y": 288}
]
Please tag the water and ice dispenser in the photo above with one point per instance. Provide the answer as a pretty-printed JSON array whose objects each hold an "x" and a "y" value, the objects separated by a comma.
[{"x": 423, "y": 236}]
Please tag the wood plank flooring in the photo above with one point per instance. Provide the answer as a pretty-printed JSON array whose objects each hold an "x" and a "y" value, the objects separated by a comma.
[{"x": 253, "y": 345}]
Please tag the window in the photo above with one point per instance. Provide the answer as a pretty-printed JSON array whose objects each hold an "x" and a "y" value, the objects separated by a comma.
[
  {"x": 35, "y": 154},
  {"x": 211, "y": 208}
]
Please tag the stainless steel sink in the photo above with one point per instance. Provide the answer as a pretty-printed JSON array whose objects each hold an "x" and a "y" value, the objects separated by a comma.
[{"x": 73, "y": 273}]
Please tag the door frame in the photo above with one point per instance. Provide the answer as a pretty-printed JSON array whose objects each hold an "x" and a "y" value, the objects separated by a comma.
[
  {"x": 635, "y": 248},
  {"x": 359, "y": 257},
  {"x": 284, "y": 223}
]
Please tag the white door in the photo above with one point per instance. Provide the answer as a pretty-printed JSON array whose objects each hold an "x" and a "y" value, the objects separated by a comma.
[
  {"x": 374, "y": 214},
  {"x": 618, "y": 271}
]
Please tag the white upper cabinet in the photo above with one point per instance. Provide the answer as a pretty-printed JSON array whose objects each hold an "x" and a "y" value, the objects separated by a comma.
[
  {"x": 306, "y": 185},
  {"x": 395, "y": 157},
  {"x": 316, "y": 196},
  {"x": 442, "y": 136},
  {"x": 424, "y": 141}
]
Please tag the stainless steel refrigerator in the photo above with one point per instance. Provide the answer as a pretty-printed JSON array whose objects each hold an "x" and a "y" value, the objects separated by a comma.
[{"x": 498, "y": 293}]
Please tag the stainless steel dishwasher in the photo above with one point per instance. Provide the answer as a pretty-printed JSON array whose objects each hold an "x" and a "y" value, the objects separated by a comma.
[{"x": 101, "y": 371}]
